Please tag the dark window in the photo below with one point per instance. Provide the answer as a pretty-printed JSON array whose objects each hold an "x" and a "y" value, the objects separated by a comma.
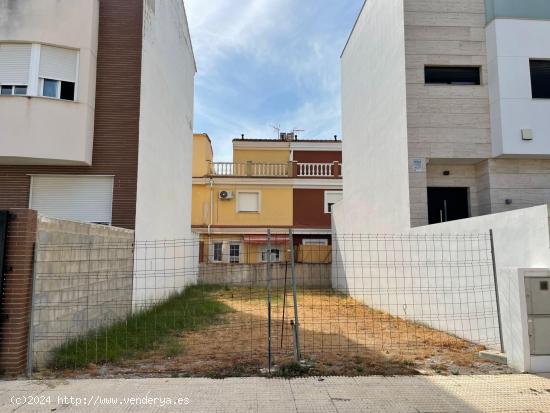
[
  {"x": 329, "y": 206},
  {"x": 7, "y": 90},
  {"x": 50, "y": 88},
  {"x": 20, "y": 90},
  {"x": 234, "y": 253},
  {"x": 448, "y": 75},
  {"x": 67, "y": 91},
  {"x": 544, "y": 285},
  {"x": 447, "y": 204},
  {"x": 540, "y": 79},
  {"x": 218, "y": 251},
  {"x": 275, "y": 255}
]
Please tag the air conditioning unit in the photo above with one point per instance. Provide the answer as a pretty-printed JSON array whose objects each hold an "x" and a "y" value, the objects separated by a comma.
[{"x": 225, "y": 195}]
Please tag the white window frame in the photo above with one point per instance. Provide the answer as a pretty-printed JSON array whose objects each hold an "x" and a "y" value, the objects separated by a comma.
[
  {"x": 263, "y": 254},
  {"x": 214, "y": 244},
  {"x": 327, "y": 193},
  {"x": 315, "y": 241},
  {"x": 35, "y": 83},
  {"x": 237, "y": 206},
  {"x": 13, "y": 86},
  {"x": 231, "y": 257}
]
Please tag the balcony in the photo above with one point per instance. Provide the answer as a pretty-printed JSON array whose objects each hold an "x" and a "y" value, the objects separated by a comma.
[
  {"x": 276, "y": 170},
  {"x": 43, "y": 131}
]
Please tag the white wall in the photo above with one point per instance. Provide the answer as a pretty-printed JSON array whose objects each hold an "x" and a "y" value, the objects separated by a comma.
[
  {"x": 510, "y": 45},
  {"x": 436, "y": 276},
  {"x": 166, "y": 124},
  {"x": 374, "y": 122},
  {"x": 163, "y": 206}
]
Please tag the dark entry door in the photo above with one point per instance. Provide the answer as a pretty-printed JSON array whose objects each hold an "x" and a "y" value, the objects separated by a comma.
[{"x": 447, "y": 204}]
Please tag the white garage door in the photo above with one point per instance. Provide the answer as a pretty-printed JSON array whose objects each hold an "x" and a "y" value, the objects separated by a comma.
[{"x": 73, "y": 197}]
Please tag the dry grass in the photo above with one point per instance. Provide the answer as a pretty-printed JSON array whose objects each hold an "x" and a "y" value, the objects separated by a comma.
[{"x": 339, "y": 336}]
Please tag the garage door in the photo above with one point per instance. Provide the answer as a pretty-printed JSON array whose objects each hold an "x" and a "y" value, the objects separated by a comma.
[{"x": 74, "y": 197}]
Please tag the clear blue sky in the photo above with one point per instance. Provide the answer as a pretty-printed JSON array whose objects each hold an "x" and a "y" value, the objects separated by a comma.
[{"x": 268, "y": 62}]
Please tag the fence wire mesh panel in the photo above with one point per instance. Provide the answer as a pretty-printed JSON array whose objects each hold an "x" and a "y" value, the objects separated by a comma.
[{"x": 242, "y": 305}]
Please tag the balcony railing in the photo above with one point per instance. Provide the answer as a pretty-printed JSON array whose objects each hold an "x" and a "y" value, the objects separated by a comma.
[{"x": 286, "y": 170}]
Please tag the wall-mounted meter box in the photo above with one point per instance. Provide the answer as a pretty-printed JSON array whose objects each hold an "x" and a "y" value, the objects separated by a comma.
[{"x": 537, "y": 291}]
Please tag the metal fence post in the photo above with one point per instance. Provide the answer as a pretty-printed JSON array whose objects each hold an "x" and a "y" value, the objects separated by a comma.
[
  {"x": 496, "y": 290},
  {"x": 269, "y": 300},
  {"x": 295, "y": 297},
  {"x": 31, "y": 318}
]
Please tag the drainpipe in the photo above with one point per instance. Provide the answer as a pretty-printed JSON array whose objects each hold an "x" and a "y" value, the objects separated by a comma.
[{"x": 211, "y": 206}]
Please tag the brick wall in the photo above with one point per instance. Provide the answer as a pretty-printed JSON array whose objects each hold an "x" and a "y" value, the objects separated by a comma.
[{"x": 17, "y": 297}]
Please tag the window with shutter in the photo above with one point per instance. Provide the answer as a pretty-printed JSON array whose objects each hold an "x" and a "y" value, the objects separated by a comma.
[
  {"x": 57, "y": 72},
  {"x": 77, "y": 197},
  {"x": 248, "y": 202},
  {"x": 15, "y": 62}
]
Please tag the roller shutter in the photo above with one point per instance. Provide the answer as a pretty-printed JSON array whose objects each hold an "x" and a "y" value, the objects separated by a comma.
[
  {"x": 15, "y": 60},
  {"x": 77, "y": 197}
]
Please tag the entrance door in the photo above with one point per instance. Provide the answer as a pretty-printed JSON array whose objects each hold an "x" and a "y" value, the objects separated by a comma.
[{"x": 447, "y": 204}]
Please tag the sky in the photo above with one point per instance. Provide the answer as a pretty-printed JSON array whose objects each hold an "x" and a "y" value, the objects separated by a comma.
[{"x": 266, "y": 63}]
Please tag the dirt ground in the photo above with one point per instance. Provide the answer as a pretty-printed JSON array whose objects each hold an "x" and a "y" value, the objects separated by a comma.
[{"x": 339, "y": 336}]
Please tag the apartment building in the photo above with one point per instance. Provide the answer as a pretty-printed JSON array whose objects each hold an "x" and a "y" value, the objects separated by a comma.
[
  {"x": 448, "y": 103},
  {"x": 274, "y": 184},
  {"x": 97, "y": 111}
]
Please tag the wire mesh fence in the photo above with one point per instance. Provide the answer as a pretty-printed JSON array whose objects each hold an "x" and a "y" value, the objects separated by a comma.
[{"x": 225, "y": 306}]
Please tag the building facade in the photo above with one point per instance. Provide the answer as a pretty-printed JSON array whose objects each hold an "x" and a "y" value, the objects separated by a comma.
[
  {"x": 271, "y": 184},
  {"x": 449, "y": 103},
  {"x": 97, "y": 103}
]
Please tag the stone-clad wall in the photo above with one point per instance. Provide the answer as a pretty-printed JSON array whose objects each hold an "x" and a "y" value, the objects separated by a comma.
[{"x": 83, "y": 280}]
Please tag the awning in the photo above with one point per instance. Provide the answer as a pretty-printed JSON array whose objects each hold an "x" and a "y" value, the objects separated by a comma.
[{"x": 262, "y": 239}]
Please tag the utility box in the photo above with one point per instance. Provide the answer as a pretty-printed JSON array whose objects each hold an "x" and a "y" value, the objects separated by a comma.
[{"x": 537, "y": 292}]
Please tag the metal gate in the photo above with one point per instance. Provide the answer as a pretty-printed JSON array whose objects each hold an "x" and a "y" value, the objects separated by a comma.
[{"x": 4, "y": 216}]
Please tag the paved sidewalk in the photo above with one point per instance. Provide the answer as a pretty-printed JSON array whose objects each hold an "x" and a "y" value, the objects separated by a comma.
[{"x": 504, "y": 393}]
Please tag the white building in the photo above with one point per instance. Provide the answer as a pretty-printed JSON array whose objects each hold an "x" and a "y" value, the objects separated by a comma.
[
  {"x": 450, "y": 103},
  {"x": 446, "y": 116}
]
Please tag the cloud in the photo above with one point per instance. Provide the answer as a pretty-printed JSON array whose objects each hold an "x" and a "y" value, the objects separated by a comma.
[{"x": 268, "y": 62}]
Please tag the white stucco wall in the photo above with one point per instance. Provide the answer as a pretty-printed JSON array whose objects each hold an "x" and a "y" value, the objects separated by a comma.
[
  {"x": 163, "y": 206},
  {"x": 430, "y": 275},
  {"x": 166, "y": 124},
  {"x": 374, "y": 123},
  {"x": 40, "y": 130},
  {"x": 510, "y": 45}
]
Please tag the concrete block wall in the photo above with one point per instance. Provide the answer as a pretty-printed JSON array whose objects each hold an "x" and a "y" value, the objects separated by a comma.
[
  {"x": 17, "y": 297},
  {"x": 83, "y": 281},
  {"x": 255, "y": 275}
]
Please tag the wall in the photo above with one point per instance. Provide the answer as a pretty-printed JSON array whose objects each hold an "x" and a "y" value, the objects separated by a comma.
[
  {"x": 444, "y": 121},
  {"x": 165, "y": 124},
  {"x": 202, "y": 154},
  {"x": 374, "y": 122},
  {"x": 526, "y": 182},
  {"x": 511, "y": 43},
  {"x": 83, "y": 280},
  {"x": 317, "y": 156},
  {"x": 309, "y": 209},
  {"x": 17, "y": 294},
  {"x": 261, "y": 155},
  {"x": 443, "y": 280},
  {"x": 275, "y": 206},
  {"x": 116, "y": 129},
  {"x": 243, "y": 275}
]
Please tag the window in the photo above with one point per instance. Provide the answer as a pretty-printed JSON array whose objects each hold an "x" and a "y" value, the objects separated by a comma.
[
  {"x": 449, "y": 75},
  {"x": 73, "y": 197},
  {"x": 540, "y": 78},
  {"x": 331, "y": 198},
  {"x": 248, "y": 201},
  {"x": 234, "y": 253},
  {"x": 217, "y": 253},
  {"x": 275, "y": 255},
  {"x": 38, "y": 70},
  {"x": 14, "y": 90},
  {"x": 58, "y": 89},
  {"x": 315, "y": 241}
]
